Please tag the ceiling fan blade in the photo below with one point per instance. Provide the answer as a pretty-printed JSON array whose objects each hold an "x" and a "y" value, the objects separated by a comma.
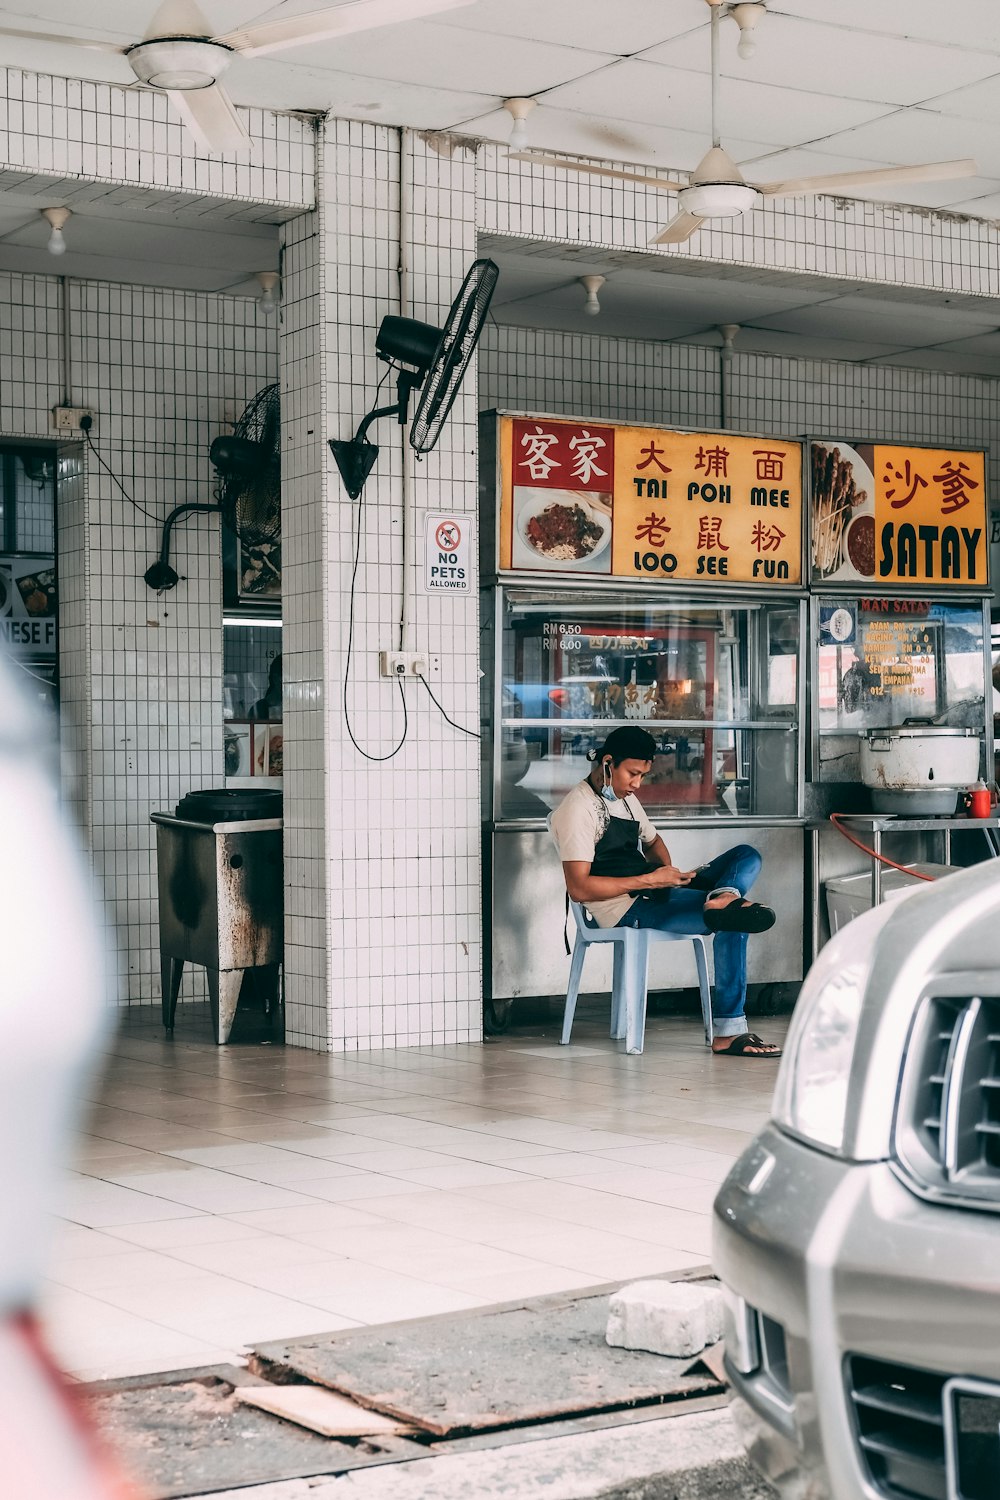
[
  {"x": 211, "y": 117},
  {"x": 177, "y": 18},
  {"x": 62, "y": 41},
  {"x": 938, "y": 171},
  {"x": 680, "y": 229},
  {"x": 335, "y": 20},
  {"x": 570, "y": 164}
]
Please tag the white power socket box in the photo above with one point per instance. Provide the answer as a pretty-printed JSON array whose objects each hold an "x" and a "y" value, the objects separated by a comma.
[
  {"x": 66, "y": 419},
  {"x": 402, "y": 664}
]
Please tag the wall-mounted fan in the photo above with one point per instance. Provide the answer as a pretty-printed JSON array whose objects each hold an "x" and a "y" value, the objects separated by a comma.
[
  {"x": 249, "y": 490},
  {"x": 180, "y": 55},
  {"x": 249, "y": 467},
  {"x": 717, "y": 189},
  {"x": 432, "y": 359}
]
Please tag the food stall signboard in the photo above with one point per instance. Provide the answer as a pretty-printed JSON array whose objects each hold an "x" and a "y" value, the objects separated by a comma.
[
  {"x": 595, "y": 498},
  {"x": 888, "y": 514},
  {"x": 29, "y": 607}
]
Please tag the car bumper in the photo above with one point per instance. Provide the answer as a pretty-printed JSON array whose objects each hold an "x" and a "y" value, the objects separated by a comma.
[{"x": 828, "y": 1262}]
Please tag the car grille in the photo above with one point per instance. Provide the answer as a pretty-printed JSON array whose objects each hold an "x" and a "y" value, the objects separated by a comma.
[
  {"x": 948, "y": 1125},
  {"x": 899, "y": 1425}
]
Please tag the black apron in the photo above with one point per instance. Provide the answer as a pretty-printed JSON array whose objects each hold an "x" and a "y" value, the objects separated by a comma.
[{"x": 618, "y": 851}]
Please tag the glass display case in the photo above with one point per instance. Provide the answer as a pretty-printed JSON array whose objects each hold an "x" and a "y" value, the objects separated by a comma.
[
  {"x": 718, "y": 687},
  {"x": 882, "y": 662}
]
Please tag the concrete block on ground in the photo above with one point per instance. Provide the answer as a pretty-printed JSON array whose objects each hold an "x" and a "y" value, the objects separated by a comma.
[{"x": 678, "y": 1318}]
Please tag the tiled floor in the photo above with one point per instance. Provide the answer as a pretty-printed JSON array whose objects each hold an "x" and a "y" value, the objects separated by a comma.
[{"x": 224, "y": 1196}]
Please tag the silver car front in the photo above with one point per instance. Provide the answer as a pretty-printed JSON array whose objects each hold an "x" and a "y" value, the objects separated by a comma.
[{"x": 858, "y": 1236}]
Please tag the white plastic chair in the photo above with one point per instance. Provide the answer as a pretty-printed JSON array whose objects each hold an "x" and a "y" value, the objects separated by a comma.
[{"x": 631, "y": 965}]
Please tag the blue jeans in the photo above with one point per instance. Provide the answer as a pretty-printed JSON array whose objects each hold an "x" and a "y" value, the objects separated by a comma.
[{"x": 682, "y": 910}]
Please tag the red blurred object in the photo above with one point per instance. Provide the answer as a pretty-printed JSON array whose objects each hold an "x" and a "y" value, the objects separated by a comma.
[
  {"x": 980, "y": 800},
  {"x": 50, "y": 1448}
]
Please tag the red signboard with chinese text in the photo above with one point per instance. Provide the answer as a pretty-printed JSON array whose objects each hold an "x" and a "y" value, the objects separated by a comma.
[
  {"x": 649, "y": 503},
  {"x": 894, "y": 514}
]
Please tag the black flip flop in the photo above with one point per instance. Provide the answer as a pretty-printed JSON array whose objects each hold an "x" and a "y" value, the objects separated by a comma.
[
  {"x": 739, "y": 916},
  {"x": 738, "y": 1047}
]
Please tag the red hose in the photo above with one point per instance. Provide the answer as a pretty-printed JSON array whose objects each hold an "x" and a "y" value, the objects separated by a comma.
[{"x": 882, "y": 859}]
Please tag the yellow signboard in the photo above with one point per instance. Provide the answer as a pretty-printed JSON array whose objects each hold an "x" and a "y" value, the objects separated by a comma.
[
  {"x": 891, "y": 514},
  {"x": 650, "y": 503}
]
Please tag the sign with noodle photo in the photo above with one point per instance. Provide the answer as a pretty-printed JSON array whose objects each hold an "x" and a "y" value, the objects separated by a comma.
[
  {"x": 655, "y": 504},
  {"x": 892, "y": 514}
]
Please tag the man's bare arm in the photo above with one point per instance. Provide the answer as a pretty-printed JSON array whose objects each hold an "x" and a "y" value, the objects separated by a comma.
[{"x": 584, "y": 887}]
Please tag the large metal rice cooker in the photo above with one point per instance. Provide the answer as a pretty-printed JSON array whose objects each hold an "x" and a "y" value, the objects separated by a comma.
[{"x": 919, "y": 768}]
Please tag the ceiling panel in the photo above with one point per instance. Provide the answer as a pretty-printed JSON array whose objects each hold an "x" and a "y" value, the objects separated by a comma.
[
  {"x": 979, "y": 102},
  {"x": 141, "y": 272},
  {"x": 143, "y": 239},
  {"x": 259, "y": 81},
  {"x": 795, "y": 54},
  {"x": 980, "y": 208},
  {"x": 948, "y": 363},
  {"x": 911, "y": 136},
  {"x": 950, "y": 194},
  {"x": 891, "y": 326},
  {"x": 808, "y": 317},
  {"x": 792, "y": 346},
  {"x": 636, "y": 90},
  {"x": 596, "y": 135},
  {"x": 620, "y": 29},
  {"x": 965, "y": 315},
  {"x": 980, "y": 343},
  {"x": 440, "y": 56},
  {"x": 959, "y": 22}
]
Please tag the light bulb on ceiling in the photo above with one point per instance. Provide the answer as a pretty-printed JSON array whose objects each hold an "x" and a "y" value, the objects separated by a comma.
[
  {"x": 593, "y": 285},
  {"x": 747, "y": 14},
  {"x": 56, "y": 218},
  {"x": 519, "y": 110},
  {"x": 267, "y": 301}
]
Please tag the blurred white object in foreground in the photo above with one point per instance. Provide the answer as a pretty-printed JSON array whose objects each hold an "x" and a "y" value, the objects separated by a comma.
[{"x": 52, "y": 1017}]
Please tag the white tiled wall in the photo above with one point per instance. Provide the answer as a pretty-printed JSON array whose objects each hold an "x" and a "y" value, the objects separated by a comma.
[
  {"x": 821, "y": 235},
  {"x": 625, "y": 379},
  {"x": 130, "y": 137},
  {"x": 164, "y": 372},
  {"x": 383, "y": 922},
  {"x": 382, "y": 857}
]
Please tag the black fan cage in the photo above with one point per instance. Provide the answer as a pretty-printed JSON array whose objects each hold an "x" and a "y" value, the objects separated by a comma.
[
  {"x": 250, "y": 495},
  {"x": 459, "y": 338}
]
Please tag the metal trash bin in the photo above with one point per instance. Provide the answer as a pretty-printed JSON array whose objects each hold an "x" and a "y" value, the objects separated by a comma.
[{"x": 220, "y": 877}]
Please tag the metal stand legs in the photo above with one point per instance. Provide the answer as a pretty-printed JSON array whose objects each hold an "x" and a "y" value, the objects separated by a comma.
[{"x": 224, "y": 986}]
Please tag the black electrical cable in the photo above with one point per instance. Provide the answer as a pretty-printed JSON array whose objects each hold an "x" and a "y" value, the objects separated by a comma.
[
  {"x": 472, "y": 733},
  {"x": 158, "y": 520},
  {"x": 350, "y": 645}
]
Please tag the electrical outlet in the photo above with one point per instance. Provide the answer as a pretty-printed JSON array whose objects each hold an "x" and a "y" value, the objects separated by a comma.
[
  {"x": 67, "y": 419},
  {"x": 402, "y": 664}
]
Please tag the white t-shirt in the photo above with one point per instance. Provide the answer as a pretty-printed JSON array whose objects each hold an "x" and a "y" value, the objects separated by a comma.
[{"x": 578, "y": 824}]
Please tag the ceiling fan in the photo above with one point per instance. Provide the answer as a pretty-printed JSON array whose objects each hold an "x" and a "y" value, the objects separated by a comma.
[
  {"x": 717, "y": 189},
  {"x": 180, "y": 56}
]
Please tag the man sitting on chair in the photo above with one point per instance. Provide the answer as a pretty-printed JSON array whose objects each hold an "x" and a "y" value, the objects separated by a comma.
[{"x": 618, "y": 867}]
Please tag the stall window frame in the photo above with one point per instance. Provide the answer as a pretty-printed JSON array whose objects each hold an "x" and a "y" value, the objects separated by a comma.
[
  {"x": 523, "y": 588},
  {"x": 960, "y": 600}
]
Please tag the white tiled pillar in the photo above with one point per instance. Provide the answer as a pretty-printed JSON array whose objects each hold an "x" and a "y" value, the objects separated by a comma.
[{"x": 382, "y": 872}]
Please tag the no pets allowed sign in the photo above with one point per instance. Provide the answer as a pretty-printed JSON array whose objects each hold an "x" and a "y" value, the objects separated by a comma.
[{"x": 448, "y": 555}]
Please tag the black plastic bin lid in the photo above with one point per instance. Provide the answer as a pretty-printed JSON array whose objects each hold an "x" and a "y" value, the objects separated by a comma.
[{"x": 230, "y": 805}]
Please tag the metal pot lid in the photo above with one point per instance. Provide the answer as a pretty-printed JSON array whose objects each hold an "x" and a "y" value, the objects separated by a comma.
[{"x": 919, "y": 732}]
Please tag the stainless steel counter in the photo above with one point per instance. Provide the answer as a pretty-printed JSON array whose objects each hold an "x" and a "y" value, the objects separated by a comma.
[{"x": 524, "y": 909}]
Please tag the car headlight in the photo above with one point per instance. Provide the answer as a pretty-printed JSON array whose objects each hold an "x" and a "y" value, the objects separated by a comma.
[{"x": 810, "y": 1098}]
